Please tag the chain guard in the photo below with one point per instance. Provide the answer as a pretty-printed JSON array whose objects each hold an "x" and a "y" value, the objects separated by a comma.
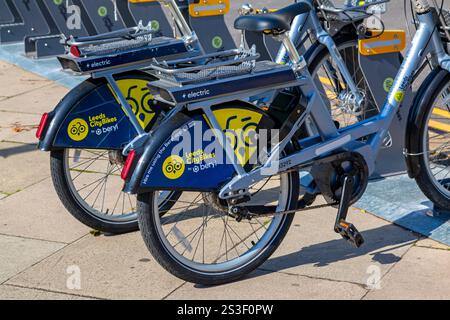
[{"x": 329, "y": 175}]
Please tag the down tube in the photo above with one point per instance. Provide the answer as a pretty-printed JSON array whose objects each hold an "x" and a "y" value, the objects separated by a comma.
[{"x": 402, "y": 82}]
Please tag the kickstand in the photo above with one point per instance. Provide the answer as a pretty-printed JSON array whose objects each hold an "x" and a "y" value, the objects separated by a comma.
[{"x": 347, "y": 230}]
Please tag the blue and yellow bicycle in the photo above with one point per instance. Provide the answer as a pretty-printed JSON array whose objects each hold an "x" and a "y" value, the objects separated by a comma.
[
  {"x": 234, "y": 212},
  {"x": 88, "y": 130}
]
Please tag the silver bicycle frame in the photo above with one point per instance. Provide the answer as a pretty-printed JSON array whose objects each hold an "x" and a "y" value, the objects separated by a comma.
[
  {"x": 307, "y": 21},
  {"x": 311, "y": 21},
  {"x": 426, "y": 41}
]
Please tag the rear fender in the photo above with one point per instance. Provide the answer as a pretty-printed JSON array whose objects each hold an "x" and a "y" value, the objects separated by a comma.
[
  {"x": 91, "y": 117},
  {"x": 201, "y": 166}
]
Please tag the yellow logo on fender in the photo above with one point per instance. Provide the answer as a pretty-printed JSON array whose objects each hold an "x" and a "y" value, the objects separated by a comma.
[
  {"x": 78, "y": 129},
  {"x": 139, "y": 98},
  {"x": 399, "y": 96},
  {"x": 173, "y": 167},
  {"x": 240, "y": 127}
]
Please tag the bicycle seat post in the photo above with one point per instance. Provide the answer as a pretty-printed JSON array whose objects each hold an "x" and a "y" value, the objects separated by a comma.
[{"x": 298, "y": 61}]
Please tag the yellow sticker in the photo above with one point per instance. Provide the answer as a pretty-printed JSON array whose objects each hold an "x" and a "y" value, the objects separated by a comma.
[
  {"x": 240, "y": 127},
  {"x": 387, "y": 84},
  {"x": 399, "y": 96},
  {"x": 173, "y": 167},
  {"x": 78, "y": 129},
  {"x": 139, "y": 98}
]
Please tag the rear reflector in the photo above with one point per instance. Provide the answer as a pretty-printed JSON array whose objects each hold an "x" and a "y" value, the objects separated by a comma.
[
  {"x": 75, "y": 51},
  {"x": 127, "y": 165},
  {"x": 41, "y": 127}
]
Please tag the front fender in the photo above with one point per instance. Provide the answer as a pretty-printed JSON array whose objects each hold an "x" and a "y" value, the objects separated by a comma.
[
  {"x": 416, "y": 117},
  {"x": 90, "y": 116}
]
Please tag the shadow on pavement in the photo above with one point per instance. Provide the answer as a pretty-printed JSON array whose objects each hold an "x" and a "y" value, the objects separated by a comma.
[
  {"x": 436, "y": 227},
  {"x": 23, "y": 148},
  {"x": 379, "y": 243}
]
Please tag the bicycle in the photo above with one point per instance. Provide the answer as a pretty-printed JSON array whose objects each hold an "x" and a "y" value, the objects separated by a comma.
[
  {"x": 85, "y": 168},
  {"x": 114, "y": 107},
  {"x": 231, "y": 217}
]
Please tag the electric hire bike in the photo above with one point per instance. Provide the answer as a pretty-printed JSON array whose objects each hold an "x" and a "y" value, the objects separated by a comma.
[
  {"x": 88, "y": 130},
  {"x": 233, "y": 213}
]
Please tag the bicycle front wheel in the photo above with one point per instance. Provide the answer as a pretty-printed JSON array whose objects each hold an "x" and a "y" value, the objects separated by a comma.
[{"x": 432, "y": 146}]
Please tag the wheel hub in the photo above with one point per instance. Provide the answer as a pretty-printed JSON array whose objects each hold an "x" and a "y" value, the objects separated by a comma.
[
  {"x": 348, "y": 102},
  {"x": 212, "y": 200}
]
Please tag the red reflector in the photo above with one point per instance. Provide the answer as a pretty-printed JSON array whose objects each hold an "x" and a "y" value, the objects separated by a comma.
[
  {"x": 41, "y": 126},
  {"x": 75, "y": 51},
  {"x": 127, "y": 165}
]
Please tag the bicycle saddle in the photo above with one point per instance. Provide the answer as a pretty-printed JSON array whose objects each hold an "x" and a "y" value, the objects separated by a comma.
[{"x": 273, "y": 23}]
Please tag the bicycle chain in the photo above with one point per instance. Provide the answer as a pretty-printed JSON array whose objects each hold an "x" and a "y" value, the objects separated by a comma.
[{"x": 274, "y": 214}]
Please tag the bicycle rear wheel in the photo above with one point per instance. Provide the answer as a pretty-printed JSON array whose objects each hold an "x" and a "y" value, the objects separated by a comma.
[
  {"x": 89, "y": 185},
  {"x": 87, "y": 181},
  {"x": 200, "y": 241}
]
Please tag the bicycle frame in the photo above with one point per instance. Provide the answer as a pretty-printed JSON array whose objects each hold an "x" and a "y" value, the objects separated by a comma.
[
  {"x": 189, "y": 38},
  {"x": 318, "y": 109},
  {"x": 311, "y": 21},
  {"x": 426, "y": 41},
  {"x": 300, "y": 24}
]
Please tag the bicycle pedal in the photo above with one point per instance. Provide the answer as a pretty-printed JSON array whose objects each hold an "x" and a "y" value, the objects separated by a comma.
[{"x": 349, "y": 232}]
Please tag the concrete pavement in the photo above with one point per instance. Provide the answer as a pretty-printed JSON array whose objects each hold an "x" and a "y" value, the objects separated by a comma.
[{"x": 46, "y": 254}]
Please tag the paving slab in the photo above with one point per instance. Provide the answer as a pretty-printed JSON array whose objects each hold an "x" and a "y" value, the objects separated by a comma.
[
  {"x": 118, "y": 267},
  {"x": 38, "y": 213},
  {"x": 423, "y": 273},
  {"x": 429, "y": 243},
  {"x": 18, "y": 254},
  {"x": 15, "y": 81},
  {"x": 4, "y": 65},
  {"x": 18, "y": 127},
  {"x": 405, "y": 205},
  {"x": 17, "y": 293},
  {"x": 277, "y": 286},
  {"x": 312, "y": 248},
  {"x": 37, "y": 101},
  {"x": 25, "y": 166}
]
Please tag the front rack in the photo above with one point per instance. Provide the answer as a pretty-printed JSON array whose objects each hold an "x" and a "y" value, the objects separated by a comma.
[{"x": 211, "y": 66}]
